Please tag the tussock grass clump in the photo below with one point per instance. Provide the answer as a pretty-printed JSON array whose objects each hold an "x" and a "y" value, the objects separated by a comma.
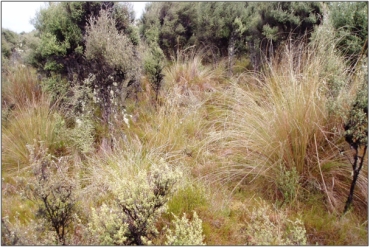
[
  {"x": 285, "y": 119},
  {"x": 187, "y": 79},
  {"x": 20, "y": 87},
  {"x": 177, "y": 123},
  {"x": 37, "y": 122}
]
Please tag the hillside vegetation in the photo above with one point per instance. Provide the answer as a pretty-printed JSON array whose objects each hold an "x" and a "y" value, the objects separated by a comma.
[{"x": 202, "y": 123}]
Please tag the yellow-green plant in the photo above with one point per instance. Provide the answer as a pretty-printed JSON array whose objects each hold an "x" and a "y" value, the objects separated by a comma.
[
  {"x": 138, "y": 204},
  {"x": 186, "y": 232}
]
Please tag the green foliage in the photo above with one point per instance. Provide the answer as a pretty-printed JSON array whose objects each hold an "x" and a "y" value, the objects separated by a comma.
[
  {"x": 226, "y": 27},
  {"x": 357, "y": 125},
  {"x": 59, "y": 37},
  {"x": 350, "y": 21},
  {"x": 274, "y": 22},
  {"x": 154, "y": 62},
  {"x": 170, "y": 24},
  {"x": 9, "y": 41},
  {"x": 270, "y": 227},
  {"x": 186, "y": 232},
  {"x": 219, "y": 22},
  {"x": 187, "y": 199},
  {"x": 287, "y": 183},
  {"x": 56, "y": 87}
]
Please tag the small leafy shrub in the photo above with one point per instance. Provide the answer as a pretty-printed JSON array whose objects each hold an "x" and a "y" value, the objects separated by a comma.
[
  {"x": 106, "y": 226},
  {"x": 138, "y": 205},
  {"x": 287, "y": 183},
  {"x": 186, "y": 232},
  {"x": 52, "y": 189},
  {"x": 34, "y": 232},
  {"x": 153, "y": 66},
  {"x": 56, "y": 87},
  {"x": 82, "y": 135},
  {"x": 272, "y": 227}
]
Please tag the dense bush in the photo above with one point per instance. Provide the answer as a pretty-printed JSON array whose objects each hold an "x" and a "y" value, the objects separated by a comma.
[
  {"x": 234, "y": 28},
  {"x": 350, "y": 20},
  {"x": 114, "y": 63},
  {"x": 137, "y": 207},
  {"x": 93, "y": 46}
]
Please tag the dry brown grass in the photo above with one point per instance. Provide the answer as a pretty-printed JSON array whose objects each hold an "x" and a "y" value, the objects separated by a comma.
[
  {"x": 286, "y": 119},
  {"x": 20, "y": 87}
]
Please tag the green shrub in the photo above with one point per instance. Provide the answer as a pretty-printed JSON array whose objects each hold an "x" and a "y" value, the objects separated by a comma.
[
  {"x": 288, "y": 183},
  {"x": 82, "y": 135},
  {"x": 154, "y": 62},
  {"x": 56, "y": 87}
]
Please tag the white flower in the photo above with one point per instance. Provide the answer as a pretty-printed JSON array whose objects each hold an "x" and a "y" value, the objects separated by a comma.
[{"x": 78, "y": 122}]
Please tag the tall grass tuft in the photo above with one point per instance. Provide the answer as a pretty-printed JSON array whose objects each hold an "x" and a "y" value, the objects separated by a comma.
[
  {"x": 288, "y": 119},
  {"x": 20, "y": 87},
  {"x": 189, "y": 72},
  {"x": 36, "y": 122}
]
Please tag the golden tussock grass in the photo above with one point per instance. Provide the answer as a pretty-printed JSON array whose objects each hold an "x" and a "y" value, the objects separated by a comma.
[{"x": 289, "y": 117}]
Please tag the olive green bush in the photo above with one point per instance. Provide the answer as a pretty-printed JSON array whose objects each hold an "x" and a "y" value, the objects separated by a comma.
[
  {"x": 154, "y": 62},
  {"x": 288, "y": 183}
]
